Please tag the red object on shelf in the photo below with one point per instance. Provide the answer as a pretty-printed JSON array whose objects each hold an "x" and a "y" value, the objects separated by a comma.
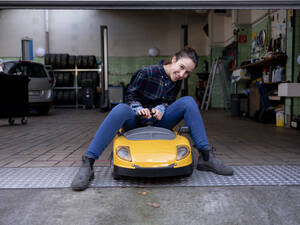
[{"x": 242, "y": 38}]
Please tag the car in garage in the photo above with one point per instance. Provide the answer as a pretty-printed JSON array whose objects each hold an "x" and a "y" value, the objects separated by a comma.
[
  {"x": 40, "y": 87},
  {"x": 152, "y": 152}
]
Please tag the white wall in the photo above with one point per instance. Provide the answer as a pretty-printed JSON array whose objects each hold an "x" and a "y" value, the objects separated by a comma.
[
  {"x": 131, "y": 33},
  {"x": 257, "y": 15},
  {"x": 221, "y": 31},
  {"x": 16, "y": 24}
]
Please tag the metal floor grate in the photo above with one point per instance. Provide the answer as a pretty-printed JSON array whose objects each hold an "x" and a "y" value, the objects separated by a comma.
[{"x": 61, "y": 177}]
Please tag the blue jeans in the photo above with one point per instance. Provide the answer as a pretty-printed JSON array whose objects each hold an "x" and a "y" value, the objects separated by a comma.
[{"x": 123, "y": 116}]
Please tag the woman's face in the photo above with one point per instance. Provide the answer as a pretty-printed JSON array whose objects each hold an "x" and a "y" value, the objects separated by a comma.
[{"x": 181, "y": 68}]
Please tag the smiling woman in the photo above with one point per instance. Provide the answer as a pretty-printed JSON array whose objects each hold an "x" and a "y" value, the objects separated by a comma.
[{"x": 151, "y": 96}]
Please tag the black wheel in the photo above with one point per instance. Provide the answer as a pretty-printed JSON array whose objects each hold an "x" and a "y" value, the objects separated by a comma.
[
  {"x": 60, "y": 95},
  {"x": 43, "y": 110},
  {"x": 79, "y": 61},
  {"x": 11, "y": 121},
  {"x": 69, "y": 96},
  {"x": 79, "y": 75},
  {"x": 72, "y": 61},
  {"x": 95, "y": 78},
  {"x": 81, "y": 78},
  {"x": 47, "y": 59},
  {"x": 65, "y": 97},
  {"x": 116, "y": 176},
  {"x": 193, "y": 159},
  {"x": 71, "y": 79},
  {"x": 72, "y": 97},
  {"x": 67, "y": 82},
  {"x": 60, "y": 80},
  {"x": 57, "y": 61},
  {"x": 80, "y": 96},
  {"x": 89, "y": 77},
  {"x": 24, "y": 120},
  {"x": 92, "y": 61},
  {"x": 84, "y": 61},
  {"x": 64, "y": 59},
  {"x": 52, "y": 60},
  {"x": 55, "y": 97}
]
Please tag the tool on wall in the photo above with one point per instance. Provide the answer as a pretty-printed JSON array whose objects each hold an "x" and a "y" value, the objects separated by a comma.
[{"x": 217, "y": 68}]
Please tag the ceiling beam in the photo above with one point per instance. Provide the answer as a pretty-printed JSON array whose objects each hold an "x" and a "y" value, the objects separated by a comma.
[{"x": 150, "y": 5}]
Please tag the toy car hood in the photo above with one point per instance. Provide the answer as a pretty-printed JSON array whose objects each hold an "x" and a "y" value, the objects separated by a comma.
[{"x": 149, "y": 133}]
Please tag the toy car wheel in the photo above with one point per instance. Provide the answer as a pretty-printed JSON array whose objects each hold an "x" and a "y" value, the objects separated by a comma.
[
  {"x": 116, "y": 176},
  {"x": 24, "y": 120},
  {"x": 11, "y": 121}
]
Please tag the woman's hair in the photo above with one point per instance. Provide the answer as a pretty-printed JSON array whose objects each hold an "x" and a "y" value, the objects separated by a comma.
[{"x": 188, "y": 52}]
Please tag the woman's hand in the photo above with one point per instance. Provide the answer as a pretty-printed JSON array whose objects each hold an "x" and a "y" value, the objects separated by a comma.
[
  {"x": 145, "y": 113},
  {"x": 157, "y": 114}
]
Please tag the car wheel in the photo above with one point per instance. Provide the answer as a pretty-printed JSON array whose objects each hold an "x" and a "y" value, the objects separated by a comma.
[
  {"x": 11, "y": 121},
  {"x": 24, "y": 120},
  {"x": 43, "y": 110}
]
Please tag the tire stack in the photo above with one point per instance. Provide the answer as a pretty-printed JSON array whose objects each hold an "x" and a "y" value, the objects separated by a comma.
[{"x": 66, "y": 79}]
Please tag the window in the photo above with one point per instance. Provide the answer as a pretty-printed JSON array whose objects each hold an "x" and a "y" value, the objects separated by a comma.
[
  {"x": 7, "y": 66},
  {"x": 37, "y": 71}
]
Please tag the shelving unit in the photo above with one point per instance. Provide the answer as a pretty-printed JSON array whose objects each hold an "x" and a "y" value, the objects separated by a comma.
[
  {"x": 75, "y": 85},
  {"x": 256, "y": 70},
  {"x": 267, "y": 61}
]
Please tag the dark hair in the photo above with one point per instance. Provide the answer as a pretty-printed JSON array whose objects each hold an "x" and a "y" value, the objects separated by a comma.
[{"x": 188, "y": 52}]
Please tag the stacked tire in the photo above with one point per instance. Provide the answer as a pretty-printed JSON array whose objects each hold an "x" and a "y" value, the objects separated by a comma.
[{"x": 66, "y": 79}]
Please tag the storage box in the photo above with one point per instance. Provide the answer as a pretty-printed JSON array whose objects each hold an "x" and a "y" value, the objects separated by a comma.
[
  {"x": 279, "y": 118},
  {"x": 116, "y": 94},
  {"x": 289, "y": 89}
]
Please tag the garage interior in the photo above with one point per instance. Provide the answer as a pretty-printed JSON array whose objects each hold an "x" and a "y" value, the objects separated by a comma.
[
  {"x": 245, "y": 41},
  {"x": 253, "y": 115}
]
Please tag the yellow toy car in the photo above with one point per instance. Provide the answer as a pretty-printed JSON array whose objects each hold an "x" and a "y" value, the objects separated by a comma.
[{"x": 152, "y": 152}]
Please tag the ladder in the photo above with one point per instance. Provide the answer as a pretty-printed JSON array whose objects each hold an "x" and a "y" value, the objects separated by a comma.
[{"x": 217, "y": 68}]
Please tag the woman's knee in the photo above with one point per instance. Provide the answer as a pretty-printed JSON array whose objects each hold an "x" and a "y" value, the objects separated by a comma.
[
  {"x": 122, "y": 109},
  {"x": 188, "y": 101}
]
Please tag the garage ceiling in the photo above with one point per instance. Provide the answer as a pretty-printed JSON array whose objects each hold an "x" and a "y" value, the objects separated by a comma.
[{"x": 154, "y": 4}]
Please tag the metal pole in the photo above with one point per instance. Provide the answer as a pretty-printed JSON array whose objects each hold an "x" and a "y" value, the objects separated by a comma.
[{"x": 104, "y": 104}]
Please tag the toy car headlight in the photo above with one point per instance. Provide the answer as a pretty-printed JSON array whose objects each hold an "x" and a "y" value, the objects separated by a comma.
[
  {"x": 124, "y": 153},
  {"x": 182, "y": 152}
]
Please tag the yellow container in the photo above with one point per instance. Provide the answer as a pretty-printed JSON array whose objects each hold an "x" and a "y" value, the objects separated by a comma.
[{"x": 280, "y": 118}]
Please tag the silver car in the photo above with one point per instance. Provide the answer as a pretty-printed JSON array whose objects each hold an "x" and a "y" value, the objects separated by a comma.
[{"x": 40, "y": 87}]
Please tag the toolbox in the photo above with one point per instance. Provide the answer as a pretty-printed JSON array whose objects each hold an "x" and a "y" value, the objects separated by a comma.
[{"x": 14, "y": 97}]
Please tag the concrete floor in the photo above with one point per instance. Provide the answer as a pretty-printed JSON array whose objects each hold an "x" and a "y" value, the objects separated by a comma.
[
  {"x": 178, "y": 206},
  {"x": 62, "y": 137}
]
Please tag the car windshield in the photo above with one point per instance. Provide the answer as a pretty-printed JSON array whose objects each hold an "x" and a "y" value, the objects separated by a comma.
[
  {"x": 7, "y": 65},
  {"x": 28, "y": 69}
]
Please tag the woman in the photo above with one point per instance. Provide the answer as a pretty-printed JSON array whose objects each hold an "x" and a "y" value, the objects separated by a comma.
[{"x": 153, "y": 90}]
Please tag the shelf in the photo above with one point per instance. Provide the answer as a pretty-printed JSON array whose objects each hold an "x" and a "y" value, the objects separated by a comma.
[
  {"x": 268, "y": 61},
  {"x": 274, "y": 98},
  {"x": 67, "y": 88},
  {"x": 279, "y": 82},
  {"x": 79, "y": 70}
]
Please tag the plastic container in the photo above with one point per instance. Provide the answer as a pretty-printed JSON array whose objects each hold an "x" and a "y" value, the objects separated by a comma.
[{"x": 279, "y": 118}]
